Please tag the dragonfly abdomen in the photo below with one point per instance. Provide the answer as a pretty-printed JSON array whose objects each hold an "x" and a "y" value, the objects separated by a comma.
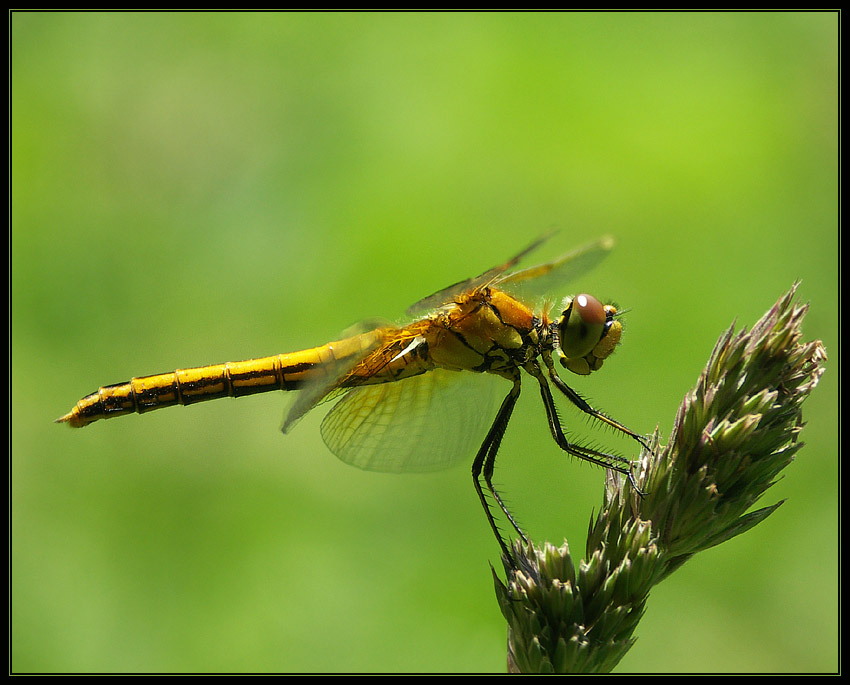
[
  {"x": 184, "y": 386},
  {"x": 231, "y": 379}
]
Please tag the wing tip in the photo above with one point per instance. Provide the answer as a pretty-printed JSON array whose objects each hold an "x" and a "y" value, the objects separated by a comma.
[{"x": 607, "y": 242}]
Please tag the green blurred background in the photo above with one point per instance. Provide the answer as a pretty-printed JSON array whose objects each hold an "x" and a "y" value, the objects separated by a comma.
[{"x": 195, "y": 188}]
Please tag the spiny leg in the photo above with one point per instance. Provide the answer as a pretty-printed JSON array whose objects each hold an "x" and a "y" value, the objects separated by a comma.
[
  {"x": 611, "y": 461},
  {"x": 583, "y": 405},
  {"x": 485, "y": 461},
  {"x": 490, "y": 465}
]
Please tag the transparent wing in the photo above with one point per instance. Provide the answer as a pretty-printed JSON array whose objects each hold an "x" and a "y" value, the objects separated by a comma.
[
  {"x": 424, "y": 423},
  {"x": 530, "y": 284},
  {"x": 315, "y": 393},
  {"x": 448, "y": 294},
  {"x": 328, "y": 378},
  {"x": 536, "y": 282}
]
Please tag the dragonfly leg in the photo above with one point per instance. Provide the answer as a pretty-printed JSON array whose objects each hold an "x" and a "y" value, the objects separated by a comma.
[
  {"x": 485, "y": 462},
  {"x": 583, "y": 405},
  {"x": 611, "y": 461}
]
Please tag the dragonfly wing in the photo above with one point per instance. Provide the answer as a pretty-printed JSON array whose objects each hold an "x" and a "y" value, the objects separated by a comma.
[
  {"x": 312, "y": 395},
  {"x": 538, "y": 281},
  {"x": 325, "y": 385},
  {"x": 423, "y": 423},
  {"x": 445, "y": 295}
]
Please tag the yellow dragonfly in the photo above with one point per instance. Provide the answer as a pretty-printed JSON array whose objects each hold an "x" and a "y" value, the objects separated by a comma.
[{"x": 400, "y": 403}]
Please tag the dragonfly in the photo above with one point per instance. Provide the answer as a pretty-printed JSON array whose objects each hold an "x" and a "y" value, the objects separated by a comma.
[{"x": 407, "y": 397}]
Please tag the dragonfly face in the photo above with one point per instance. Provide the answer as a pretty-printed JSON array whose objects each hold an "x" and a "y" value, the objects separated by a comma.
[
  {"x": 412, "y": 397},
  {"x": 586, "y": 334}
]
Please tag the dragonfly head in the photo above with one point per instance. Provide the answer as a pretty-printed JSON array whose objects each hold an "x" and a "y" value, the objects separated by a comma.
[{"x": 586, "y": 333}]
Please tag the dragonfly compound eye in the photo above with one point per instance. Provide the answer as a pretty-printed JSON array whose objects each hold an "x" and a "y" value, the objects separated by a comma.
[{"x": 582, "y": 326}]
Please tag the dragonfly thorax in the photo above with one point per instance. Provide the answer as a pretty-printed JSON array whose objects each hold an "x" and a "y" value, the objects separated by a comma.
[{"x": 585, "y": 334}]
